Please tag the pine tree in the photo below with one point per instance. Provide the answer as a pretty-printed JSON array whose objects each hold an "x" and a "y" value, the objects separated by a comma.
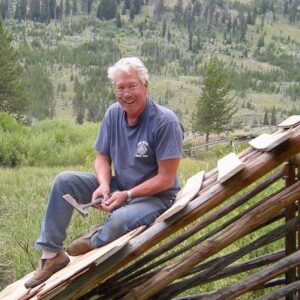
[
  {"x": 45, "y": 11},
  {"x": 34, "y": 10},
  {"x": 74, "y": 7},
  {"x": 137, "y": 6},
  {"x": 20, "y": 13},
  {"x": 107, "y": 9},
  {"x": 52, "y": 7},
  {"x": 13, "y": 95},
  {"x": 178, "y": 12},
  {"x": 127, "y": 4},
  {"x": 266, "y": 118},
  {"x": 273, "y": 116},
  {"x": 4, "y": 7},
  {"x": 67, "y": 8},
  {"x": 159, "y": 10},
  {"x": 164, "y": 29},
  {"x": 119, "y": 20},
  {"x": 131, "y": 11},
  {"x": 215, "y": 107}
]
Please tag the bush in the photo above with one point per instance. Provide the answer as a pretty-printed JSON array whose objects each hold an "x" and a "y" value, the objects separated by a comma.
[
  {"x": 12, "y": 138},
  {"x": 61, "y": 143},
  {"x": 46, "y": 143}
]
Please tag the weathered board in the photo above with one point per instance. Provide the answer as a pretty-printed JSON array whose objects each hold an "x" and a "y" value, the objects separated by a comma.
[
  {"x": 77, "y": 265},
  {"x": 266, "y": 142},
  {"x": 290, "y": 122},
  {"x": 184, "y": 196},
  {"x": 228, "y": 166}
]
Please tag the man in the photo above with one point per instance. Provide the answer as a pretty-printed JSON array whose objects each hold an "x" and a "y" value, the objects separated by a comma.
[{"x": 143, "y": 142}]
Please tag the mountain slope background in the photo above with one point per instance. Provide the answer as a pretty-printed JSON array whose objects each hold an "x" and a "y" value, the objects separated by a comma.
[{"x": 65, "y": 50}]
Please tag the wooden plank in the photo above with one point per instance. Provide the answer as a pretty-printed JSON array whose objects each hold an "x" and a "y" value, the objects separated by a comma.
[
  {"x": 78, "y": 264},
  {"x": 266, "y": 142},
  {"x": 184, "y": 196},
  {"x": 290, "y": 122},
  {"x": 228, "y": 166}
]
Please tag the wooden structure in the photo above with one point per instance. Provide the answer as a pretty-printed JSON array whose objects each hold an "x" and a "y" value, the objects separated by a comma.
[{"x": 224, "y": 232}]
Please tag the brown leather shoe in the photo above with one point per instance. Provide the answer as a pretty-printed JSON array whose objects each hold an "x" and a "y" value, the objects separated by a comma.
[
  {"x": 79, "y": 246},
  {"x": 82, "y": 244},
  {"x": 46, "y": 268}
]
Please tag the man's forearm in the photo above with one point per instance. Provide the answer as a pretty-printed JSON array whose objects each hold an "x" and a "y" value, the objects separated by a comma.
[
  {"x": 102, "y": 168},
  {"x": 160, "y": 182}
]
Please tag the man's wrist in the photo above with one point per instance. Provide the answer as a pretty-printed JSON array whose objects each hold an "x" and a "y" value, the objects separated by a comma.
[{"x": 129, "y": 196}]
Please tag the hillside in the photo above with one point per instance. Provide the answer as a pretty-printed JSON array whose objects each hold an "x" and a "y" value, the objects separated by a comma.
[{"x": 66, "y": 54}]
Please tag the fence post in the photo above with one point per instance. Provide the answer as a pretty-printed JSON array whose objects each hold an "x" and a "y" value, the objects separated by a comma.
[{"x": 290, "y": 213}]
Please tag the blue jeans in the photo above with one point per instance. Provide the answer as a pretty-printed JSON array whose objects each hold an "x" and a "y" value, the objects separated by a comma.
[{"x": 81, "y": 185}]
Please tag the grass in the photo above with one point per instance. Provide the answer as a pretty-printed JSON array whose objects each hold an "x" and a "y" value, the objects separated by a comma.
[
  {"x": 23, "y": 200},
  {"x": 283, "y": 30},
  {"x": 22, "y": 204}
]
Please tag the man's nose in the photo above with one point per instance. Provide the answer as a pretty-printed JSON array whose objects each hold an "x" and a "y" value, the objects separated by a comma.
[{"x": 127, "y": 91}]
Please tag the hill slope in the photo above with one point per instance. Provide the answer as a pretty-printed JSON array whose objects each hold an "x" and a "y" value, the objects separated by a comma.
[{"x": 259, "y": 42}]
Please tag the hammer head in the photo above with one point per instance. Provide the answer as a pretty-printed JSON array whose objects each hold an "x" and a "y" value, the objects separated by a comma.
[{"x": 81, "y": 208}]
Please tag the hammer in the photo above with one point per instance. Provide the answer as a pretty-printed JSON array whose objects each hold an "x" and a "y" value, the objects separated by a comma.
[{"x": 81, "y": 208}]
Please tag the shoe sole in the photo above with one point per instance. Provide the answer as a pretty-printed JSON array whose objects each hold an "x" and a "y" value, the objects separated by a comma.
[{"x": 58, "y": 267}]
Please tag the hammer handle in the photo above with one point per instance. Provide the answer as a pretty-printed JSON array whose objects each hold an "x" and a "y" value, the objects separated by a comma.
[{"x": 97, "y": 201}]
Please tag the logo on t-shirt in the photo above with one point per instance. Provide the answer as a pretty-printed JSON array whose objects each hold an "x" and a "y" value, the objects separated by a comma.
[{"x": 142, "y": 149}]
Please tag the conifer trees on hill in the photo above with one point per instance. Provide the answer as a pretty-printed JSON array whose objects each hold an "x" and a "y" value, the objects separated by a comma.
[{"x": 13, "y": 95}]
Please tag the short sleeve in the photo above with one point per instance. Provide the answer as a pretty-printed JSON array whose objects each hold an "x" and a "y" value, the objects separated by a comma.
[
  {"x": 169, "y": 141},
  {"x": 102, "y": 144}
]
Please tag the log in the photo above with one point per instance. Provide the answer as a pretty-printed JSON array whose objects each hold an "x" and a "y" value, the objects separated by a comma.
[
  {"x": 290, "y": 212},
  {"x": 235, "y": 290},
  {"x": 245, "y": 225},
  {"x": 177, "y": 288},
  {"x": 284, "y": 291},
  {"x": 221, "y": 263},
  {"x": 196, "y": 228}
]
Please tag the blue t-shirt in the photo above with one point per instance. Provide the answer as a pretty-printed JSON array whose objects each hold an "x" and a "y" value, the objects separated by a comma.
[{"x": 136, "y": 149}]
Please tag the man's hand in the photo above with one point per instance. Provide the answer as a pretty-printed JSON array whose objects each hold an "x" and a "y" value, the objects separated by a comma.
[
  {"x": 101, "y": 192},
  {"x": 114, "y": 201}
]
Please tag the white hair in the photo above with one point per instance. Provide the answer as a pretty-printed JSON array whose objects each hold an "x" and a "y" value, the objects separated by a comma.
[{"x": 127, "y": 65}]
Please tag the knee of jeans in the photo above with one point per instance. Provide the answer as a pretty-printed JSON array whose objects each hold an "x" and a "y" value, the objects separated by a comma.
[
  {"x": 64, "y": 177},
  {"x": 118, "y": 222}
]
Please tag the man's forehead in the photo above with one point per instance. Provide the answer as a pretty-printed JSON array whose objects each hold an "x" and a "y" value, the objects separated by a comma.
[{"x": 124, "y": 77}]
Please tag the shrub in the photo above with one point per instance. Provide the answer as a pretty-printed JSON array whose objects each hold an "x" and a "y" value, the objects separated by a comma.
[
  {"x": 12, "y": 141},
  {"x": 46, "y": 143},
  {"x": 61, "y": 143}
]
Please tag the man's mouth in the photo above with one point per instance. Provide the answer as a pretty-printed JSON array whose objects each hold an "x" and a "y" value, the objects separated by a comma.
[{"x": 129, "y": 101}]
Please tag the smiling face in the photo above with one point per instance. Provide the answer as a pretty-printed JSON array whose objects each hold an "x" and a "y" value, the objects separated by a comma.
[{"x": 131, "y": 94}]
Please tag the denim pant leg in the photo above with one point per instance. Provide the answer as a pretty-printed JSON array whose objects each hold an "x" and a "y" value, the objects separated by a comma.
[
  {"x": 58, "y": 214},
  {"x": 140, "y": 211}
]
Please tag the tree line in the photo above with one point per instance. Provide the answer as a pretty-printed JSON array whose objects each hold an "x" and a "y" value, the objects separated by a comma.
[
  {"x": 47, "y": 10},
  {"x": 174, "y": 42}
]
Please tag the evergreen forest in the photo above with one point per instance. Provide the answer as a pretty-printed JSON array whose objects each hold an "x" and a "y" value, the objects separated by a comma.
[{"x": 65, "y": 46}]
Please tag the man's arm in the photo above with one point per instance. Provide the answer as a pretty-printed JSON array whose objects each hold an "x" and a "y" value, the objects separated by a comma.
[
  {"x": 102, "y": 168},
  {"x": 162, "y": 181}
]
